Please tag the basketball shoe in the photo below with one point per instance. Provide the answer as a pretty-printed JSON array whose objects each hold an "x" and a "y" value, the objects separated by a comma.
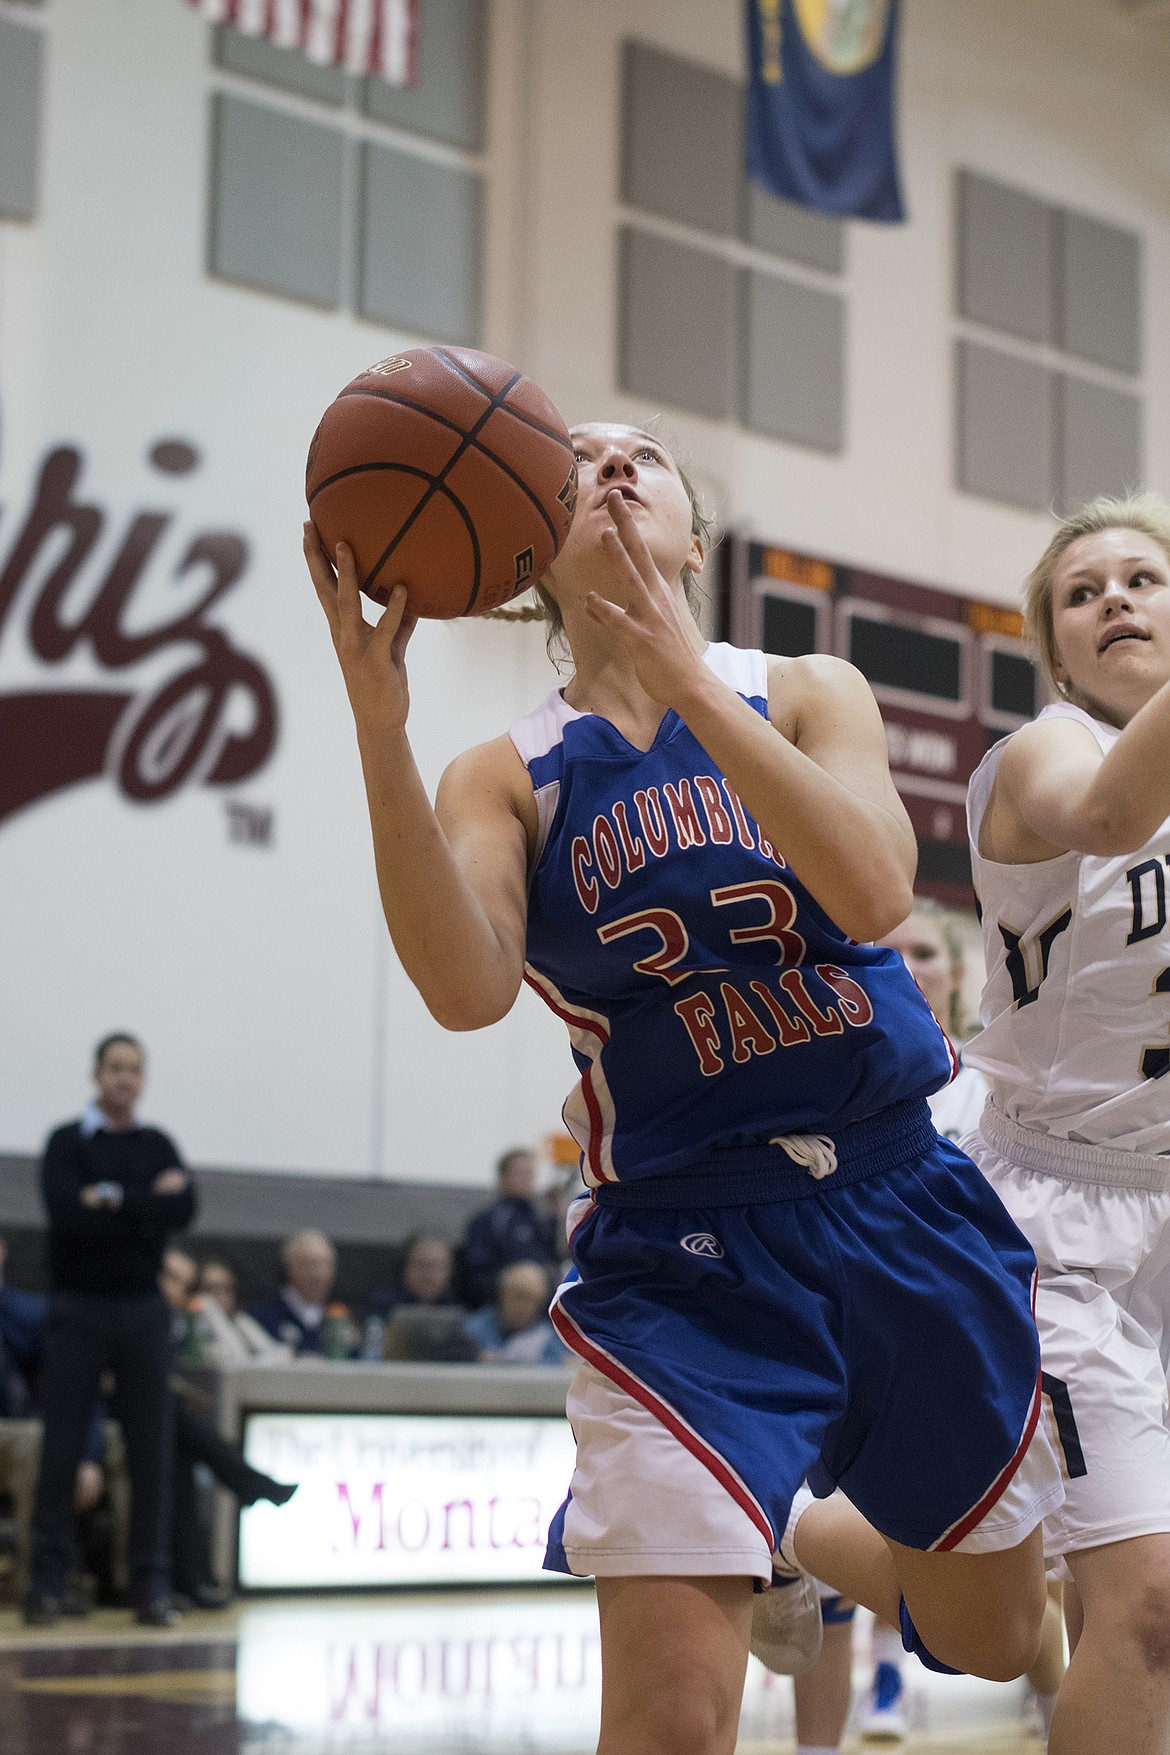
[
  {"x": 786, "y": 1620},
  {"x": 786, "y": 1625},
  {"x": 882, "y": 1718}
]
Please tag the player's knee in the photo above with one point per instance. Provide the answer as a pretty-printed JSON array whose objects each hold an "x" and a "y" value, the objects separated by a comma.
[
  {"x": 1010, "y": 1643},
  {"x": 1010, "y": 1652},
  {"x": 1148, "y": 1624},
  {"x": 682, "y": 1717},
  {"x": 694, "y": 1721}
]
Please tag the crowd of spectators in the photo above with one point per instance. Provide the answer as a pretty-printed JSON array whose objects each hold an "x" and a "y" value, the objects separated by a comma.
[{"x": 102, "y": 1379}]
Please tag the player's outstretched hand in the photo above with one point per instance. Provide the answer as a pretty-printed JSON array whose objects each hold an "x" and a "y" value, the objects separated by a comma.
[
  {"x": 657, "y": 632},
  {"x": 372, "y": 656}
]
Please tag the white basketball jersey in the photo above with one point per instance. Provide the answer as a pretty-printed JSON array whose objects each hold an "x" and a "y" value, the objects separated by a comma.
[{"x": 1076, "y": 1009}]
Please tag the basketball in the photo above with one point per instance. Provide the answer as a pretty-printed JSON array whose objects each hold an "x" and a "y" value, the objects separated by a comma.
[{"x": 445, "y": 470}]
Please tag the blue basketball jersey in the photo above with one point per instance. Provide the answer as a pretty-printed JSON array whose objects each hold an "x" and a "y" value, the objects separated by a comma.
[{"x": 710, "y": 1001}]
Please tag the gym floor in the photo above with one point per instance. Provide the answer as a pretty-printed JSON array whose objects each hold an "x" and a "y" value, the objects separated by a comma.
[{"x": 487, "y": 1673}]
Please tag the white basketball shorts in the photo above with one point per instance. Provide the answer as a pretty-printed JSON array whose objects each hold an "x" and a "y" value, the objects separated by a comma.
[{"x": 1099, "y": 1221}]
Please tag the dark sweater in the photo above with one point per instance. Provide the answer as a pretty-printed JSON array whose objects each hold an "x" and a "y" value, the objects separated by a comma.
[
  {"x": 282, "y": 1322},
  {"x": 111, "y": 1252},
  {"x": 511, "y": 1229}
]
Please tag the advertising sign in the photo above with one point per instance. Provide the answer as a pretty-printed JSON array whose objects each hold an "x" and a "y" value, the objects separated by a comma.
[{"x": 387, "y": 1499}]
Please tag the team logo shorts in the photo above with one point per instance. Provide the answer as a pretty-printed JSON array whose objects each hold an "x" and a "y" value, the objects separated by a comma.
[{"x": 751, "y": 1325}]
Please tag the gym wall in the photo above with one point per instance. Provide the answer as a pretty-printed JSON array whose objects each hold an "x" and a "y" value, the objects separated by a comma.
[{"x": 199, "y": 244}]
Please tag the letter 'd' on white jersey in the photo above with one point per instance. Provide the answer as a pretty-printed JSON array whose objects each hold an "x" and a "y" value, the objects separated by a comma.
[{"x": 1076, "y": 1009}]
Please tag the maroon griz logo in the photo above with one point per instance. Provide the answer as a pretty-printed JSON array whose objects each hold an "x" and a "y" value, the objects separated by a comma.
[{"x": 212, "y": 719}]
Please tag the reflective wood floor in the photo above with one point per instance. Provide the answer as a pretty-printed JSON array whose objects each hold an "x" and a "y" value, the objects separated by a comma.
[{"x": 513, "y": 1673}]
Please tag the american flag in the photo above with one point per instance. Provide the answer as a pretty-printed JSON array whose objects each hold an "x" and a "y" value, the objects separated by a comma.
[{"x": 363, "y": 36}]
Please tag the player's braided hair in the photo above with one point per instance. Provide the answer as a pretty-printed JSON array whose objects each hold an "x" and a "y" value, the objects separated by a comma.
[
  {"x": 547, "y": 610},
  {"x": 1148, "y": 513}
]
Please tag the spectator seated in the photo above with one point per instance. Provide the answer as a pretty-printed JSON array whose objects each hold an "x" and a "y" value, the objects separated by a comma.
[
  {"x": 220, "y": 1333},
  {"x": 295, "y": 1315},
  {"x": 512, "y": 1229},
  {"x": 516, "y": 1329},
  {"x": 197, "y": 1442},
  {"x": 424, "y": 1281}
]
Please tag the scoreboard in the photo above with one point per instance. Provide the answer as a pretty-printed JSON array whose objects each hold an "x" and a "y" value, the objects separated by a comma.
[{"x": 951, "y": 675}]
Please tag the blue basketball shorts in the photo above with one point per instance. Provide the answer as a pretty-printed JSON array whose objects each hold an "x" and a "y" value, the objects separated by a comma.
[{"x": 751, "y": 1325}]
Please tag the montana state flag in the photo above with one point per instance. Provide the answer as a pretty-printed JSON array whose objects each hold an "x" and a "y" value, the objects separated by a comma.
[{"x": 820, "y": 113}]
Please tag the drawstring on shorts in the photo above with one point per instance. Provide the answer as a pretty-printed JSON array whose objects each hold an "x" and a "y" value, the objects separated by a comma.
[
  {"x": 815, "y": 1152},
  {"x": 790, "y": 1166}
]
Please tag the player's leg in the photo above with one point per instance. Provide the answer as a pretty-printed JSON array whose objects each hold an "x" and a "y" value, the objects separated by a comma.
[
  {"x": 676, "y": 1558},
  {"x": 1116, "y": 1692},
  {"x": 1104, "y": 1349},
  {"x": 942, "y": 1446},
  {"x": 1044, "y": 1678},
  {"x": 882, "y": 1718},
  {"x": 979, "y": 1612},
  {"x": 1074, "y": 1617},
  {"x": 982, "y": 1613},
  {"x": 1104, "y": 1252},
  {"x": 823, "y": 1692},
  {"x": 673, "y": 1658}
]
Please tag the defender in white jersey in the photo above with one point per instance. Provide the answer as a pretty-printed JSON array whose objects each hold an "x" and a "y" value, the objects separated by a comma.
[{"x": 1070, "y": 831}]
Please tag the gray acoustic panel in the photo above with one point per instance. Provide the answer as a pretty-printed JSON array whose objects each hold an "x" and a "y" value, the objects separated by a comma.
[
  {"x": 245, "y": 1204},
  {"x": 1099, "y": 441},
  {"x": 447, "y": 103},
  {"x": 1005, "y": 258},
  {"x": 1100, "y": 292},
  {"x": 797, "y": 233},
  {"x": 676, "y": 324},
  {"x": 792, "y": 367},
  {"x": 1004, "y": 438},
  {"x": 21, "y": 72},
  {"x": 420, "y": 250},
  {"x": 287, "y": 69},
  {"x": 277, "y": 192},
  {"x": 682, "y": 139}
]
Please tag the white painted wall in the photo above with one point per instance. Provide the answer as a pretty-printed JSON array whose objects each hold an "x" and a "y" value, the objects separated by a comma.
[{"x": 282, "y": 1032}]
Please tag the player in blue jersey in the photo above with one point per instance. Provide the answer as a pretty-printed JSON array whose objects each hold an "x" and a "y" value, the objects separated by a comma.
[{"x": 781, "y": 1272}]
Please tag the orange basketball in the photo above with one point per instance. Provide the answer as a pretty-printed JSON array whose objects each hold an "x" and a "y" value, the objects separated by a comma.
[{"x": 447, "y": 471}]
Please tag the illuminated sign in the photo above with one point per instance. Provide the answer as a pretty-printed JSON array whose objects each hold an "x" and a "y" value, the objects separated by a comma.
[{"x": 403, "y": 1498}]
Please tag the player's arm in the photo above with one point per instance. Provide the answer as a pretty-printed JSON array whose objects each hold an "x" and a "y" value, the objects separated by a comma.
[
  {"x": 852, "y": 834},
  {"x": 1056, "y": 793},
  {"x": 817, "y": 780},
  {"x": 452, "y": 878}
]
